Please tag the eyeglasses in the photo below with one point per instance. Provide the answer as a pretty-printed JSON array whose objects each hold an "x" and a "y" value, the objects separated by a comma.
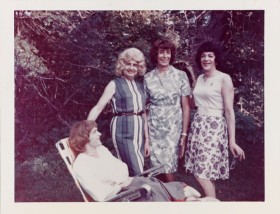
[{"x": 233, "y": 163}]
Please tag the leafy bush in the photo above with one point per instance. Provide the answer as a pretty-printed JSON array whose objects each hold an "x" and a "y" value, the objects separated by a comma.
[
  {"x": 44, "y": 179},
  {"x": 246, "y": 129}
]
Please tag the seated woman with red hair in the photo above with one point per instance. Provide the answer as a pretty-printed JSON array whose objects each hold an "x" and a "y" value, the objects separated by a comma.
[{"x": 102, "y": 175}]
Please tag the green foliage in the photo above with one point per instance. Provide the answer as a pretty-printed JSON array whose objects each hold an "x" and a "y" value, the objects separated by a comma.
[
  {"x": 27, "y": 57},
  {"x": 247, "y": 130},
  {"x": 44, "y": 179},
  {"x": 244, "y": 60}
]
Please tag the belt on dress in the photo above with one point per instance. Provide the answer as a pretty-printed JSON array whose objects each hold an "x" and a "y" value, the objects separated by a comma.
[
  {"x": 210, "y": 111},
  {"x": 128, "y": 113}
]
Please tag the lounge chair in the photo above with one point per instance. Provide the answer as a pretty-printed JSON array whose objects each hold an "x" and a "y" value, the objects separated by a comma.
[{"x": 68, "y": 157}]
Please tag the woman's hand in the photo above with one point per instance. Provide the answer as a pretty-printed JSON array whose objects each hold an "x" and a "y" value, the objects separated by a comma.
[
  {"x": 126, "y": 182},
  {"x": 237, "y": 151},
  {"x": 147, "y": 149}
]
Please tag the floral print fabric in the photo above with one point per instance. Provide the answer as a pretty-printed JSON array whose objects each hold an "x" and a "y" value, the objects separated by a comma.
[
  {"x": 207, "y": 148},
  {"x": 165, "y": 115}
]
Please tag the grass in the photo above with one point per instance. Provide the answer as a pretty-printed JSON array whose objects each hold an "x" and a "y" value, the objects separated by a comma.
[
  {"x": 45, "y": 179},
  {"x": 246, "y": 182}
]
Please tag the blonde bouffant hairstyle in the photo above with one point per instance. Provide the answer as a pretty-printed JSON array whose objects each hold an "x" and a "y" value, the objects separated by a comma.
[
  {"x": 79, "y": 135},
  {"x": 131, "y": 54}
]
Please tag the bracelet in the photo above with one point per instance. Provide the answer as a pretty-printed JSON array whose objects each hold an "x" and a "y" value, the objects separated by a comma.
[{"x": 184, "y": 134}]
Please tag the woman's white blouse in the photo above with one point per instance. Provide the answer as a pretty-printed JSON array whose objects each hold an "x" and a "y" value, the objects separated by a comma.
[{"x": 98, "y": 175}]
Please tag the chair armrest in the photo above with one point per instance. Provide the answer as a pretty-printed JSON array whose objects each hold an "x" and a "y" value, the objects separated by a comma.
[
  {"x": 132, "y": 194},
  {"x": 156, "y": 170}
]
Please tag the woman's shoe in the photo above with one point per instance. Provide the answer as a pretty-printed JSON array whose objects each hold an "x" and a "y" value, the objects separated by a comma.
[{"x": 191, "y": 192}]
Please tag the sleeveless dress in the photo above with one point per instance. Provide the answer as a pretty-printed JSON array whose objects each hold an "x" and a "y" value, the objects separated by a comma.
[
  {"x": 207, "y": 146},
  {"x": 128, "y": 130},
  {"x": 165, "y": 115}
]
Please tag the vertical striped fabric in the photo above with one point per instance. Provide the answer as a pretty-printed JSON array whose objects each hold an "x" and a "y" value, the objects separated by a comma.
[{"x": 128, "y": 131}]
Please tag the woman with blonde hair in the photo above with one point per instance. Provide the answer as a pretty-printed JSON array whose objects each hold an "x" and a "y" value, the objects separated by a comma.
[{"x": 128, "y": 126}]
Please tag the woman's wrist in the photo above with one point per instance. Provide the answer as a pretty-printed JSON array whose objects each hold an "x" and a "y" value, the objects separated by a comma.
[
  {"x": 183, "y": 138},
  {"x": 232, "y": 141},
  {"x": 146, "y": 141}
]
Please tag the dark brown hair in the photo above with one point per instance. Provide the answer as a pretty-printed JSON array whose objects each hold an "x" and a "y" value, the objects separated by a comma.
[
  {"x": 209, "y": 47},
  {"x": 163, "y": 44}
]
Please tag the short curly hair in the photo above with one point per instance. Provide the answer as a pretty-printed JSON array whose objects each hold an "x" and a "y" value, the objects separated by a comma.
[
  {"x": 163, "y": 44},
  {"x": 131, "y": 54},
  {"x": 209, "y": 47},
  {"x": 79, "y": 135}
]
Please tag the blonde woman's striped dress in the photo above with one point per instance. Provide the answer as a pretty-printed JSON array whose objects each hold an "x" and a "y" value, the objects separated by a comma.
[{"x": 127, "y": 125}]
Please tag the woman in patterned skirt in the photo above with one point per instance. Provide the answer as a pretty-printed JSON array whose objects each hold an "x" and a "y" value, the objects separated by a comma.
[
  {"x": 167, "y": 89},
  {"x": 128, "y": 125},
  {"x": 213, "y": 126}
]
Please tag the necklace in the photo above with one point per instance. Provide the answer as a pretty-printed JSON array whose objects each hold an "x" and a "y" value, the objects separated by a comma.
[{"x": 205, "y": 77}]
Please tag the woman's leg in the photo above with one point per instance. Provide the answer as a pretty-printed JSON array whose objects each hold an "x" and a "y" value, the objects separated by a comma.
[
  {"x": 208, "y": 187},
  {"x": 128, "y": 142},
  {"x": 159, "y": 190}
]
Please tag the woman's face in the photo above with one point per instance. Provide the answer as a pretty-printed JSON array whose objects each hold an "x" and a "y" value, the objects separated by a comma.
[
  {"x": 164, "y": 57},
  {"x": 208, "y": 61},
  {"x": 94, "y": 137},
  {"x": 130, "y": 69}
]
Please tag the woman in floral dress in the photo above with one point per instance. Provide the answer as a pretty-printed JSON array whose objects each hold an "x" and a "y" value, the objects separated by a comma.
[
  {"x": 213, "y": 126},
  {"x": 167, "y": 89}
]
